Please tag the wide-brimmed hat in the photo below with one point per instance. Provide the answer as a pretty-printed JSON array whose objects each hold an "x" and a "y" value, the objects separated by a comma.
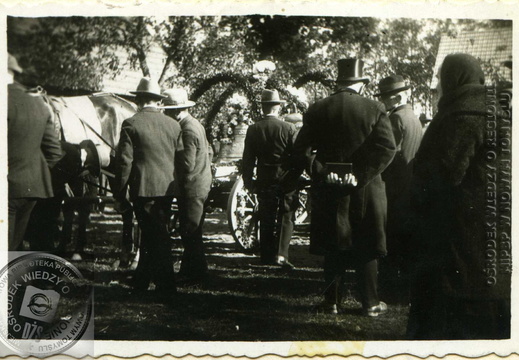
[
  {"x": 176, "y": 99},
  {"x": 351, "y": 70},
  {"x": 148, "y": 87},
  {"x": 271, "y": 97},
  {"x": 392, "y": 85},
  {"x": 97, "y": 156},
  {"x": 294, "y": 118},
  {"x": 12, "y": 64}
]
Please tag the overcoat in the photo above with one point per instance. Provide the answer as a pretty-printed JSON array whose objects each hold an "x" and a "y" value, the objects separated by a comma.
[
  {"x": 398, "y": 177},
  {"x": 145, "y": 158},
  {"x": 346, "y": 127},
  {"x": 32, "y": 145},
  {"x": 461, "y": 172},
  {"x": 194, "y": 162},
  {"x": 408, "y": 135},
  {"x": 268, "y": 145}
]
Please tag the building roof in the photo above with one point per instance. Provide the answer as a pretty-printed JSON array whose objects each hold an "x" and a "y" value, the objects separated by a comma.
[{"x": 488, "y": 45}]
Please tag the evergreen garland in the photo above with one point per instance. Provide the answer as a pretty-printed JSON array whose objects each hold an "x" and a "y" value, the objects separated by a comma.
[
  {"x": 215, "y": 109},
  {"x": 250, "y": 87}
]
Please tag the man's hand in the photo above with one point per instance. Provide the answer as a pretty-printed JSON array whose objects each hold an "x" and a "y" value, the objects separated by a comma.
[{"x": 348, "y": 179}]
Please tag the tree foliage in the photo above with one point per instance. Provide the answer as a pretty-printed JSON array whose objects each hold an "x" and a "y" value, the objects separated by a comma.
[{"x": 212, "y": 56}]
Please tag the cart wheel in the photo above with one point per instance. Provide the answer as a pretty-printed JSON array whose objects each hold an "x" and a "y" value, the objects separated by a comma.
[
  {"x": 303, "y": 209},
  {"x": 173, "y": 224},
  {"x": 242, "y": 216}
]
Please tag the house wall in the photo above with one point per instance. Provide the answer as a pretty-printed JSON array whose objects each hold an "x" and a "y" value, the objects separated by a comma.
[{"x": 128, "y": 78}]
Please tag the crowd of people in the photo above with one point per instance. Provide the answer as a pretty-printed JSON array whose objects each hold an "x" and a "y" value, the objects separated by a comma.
[{"x": 384, "y": 200}]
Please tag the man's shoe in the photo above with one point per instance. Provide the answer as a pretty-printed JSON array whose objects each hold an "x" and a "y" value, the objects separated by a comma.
[
  {"x": 284, "y": 263},
  {"x": 376, "y": 310}
]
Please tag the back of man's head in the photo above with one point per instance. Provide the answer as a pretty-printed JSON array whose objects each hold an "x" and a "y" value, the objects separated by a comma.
[
  {"x": 269, "y": 109},
  {"x": 144, "y": 100},
  {"x": 354, "y": 85}
]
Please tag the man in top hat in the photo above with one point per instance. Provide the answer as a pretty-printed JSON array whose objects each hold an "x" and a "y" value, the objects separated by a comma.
[
  {"x": 346, "y": 141},
  {"x": 145, "y": 162},
  {"x": 32, "y": 149},
  {"x": 268, "y": 144},
  {"x": 193, "y": 184},
  {"x": 407, "y": 130}
]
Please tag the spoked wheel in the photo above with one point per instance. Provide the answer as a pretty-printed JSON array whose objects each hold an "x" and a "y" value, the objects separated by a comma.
[
  {"x": 303, "y": 209},
  {"x": 243, "y": 216}
]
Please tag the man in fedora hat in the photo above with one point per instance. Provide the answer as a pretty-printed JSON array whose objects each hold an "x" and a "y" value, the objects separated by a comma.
[
  {"x": 145, "y": 162},
  {"x": 346, "y": 142},
  {"x": 32, "y": 149},
  {"x": 193, "y": 184},
  {"x": 268, "y": 144},
  {"x": 407, "y": 130}
]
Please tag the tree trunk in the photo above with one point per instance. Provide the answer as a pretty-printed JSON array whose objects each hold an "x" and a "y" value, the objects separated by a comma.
[
  {"x": 166, "y": 70},
  {"x": 142, "y": 61}
]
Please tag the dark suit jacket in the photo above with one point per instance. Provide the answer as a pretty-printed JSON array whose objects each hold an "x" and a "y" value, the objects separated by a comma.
[
  {"x": 346, "y": 127},
  {"x": 268, "y": 144},
  {"x": 32, "y": 145},
  {"x": 408, "y": 135},
  {"x": 194, "y": 162},
  {"x": 145, "y": 158}
]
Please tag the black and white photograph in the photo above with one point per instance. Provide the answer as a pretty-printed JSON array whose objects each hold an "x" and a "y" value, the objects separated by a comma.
[{"x": 261, "y": 181}]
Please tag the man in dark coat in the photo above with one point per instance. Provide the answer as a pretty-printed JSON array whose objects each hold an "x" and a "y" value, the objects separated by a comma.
[
  {"x": 145, "y": 161},
  {"x": 193, "y": 184},
  {"x": 33, "y": 148},
  {"x": 268, "y": 144},
  {"x": 461, "y": 191},
  {"x": 348, "y": 221},
  {"x": 393, "y": 92}
]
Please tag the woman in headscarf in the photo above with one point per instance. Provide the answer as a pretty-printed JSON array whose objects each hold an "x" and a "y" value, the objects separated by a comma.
[{"x": 460, "y": 289}]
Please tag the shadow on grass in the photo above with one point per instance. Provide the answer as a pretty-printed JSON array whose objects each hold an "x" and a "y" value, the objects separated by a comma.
[
  {"x": 241, "y": 301},
  {"x": 210, "y": 317}
]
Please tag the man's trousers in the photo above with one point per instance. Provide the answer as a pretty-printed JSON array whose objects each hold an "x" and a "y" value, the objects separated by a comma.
[
  {"x": 156, "y": 261},
  {"x": 19, "y": 212},
  {"x": 366, "y": 269},
  {"x": 276, "y": 216},
  {"x": 191, "y": 220}
]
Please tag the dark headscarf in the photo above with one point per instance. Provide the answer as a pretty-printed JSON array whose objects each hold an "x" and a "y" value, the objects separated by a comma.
[{"x": 458, "y": 70}]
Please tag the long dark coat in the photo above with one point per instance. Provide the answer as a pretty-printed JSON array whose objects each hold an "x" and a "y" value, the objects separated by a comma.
[
  {"x": 145, "y": 158},
  {"x": 408, "y": 134},
  {"x": 463, "y": 270},
  {"x": 460, "y": 174},
  {"x": 346, "y": 127},
  {"x": 398, "y": 175},
  {"x": 32, "y": 145}
]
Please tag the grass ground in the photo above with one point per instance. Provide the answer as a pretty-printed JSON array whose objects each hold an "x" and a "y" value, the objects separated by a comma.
[{"x": 242, "y": 300}]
